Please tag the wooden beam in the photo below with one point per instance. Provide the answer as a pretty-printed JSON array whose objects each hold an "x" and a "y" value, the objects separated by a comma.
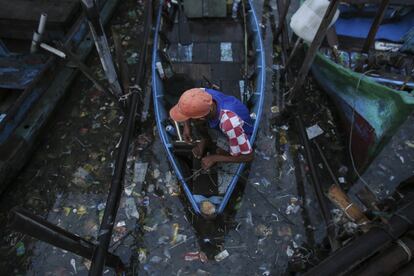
[
  {"x": 283, "y": 8},
  {"x": 369, "y": 41},
  {"x": 316, "y": 43},
  {"x": 392, "y": 2}
]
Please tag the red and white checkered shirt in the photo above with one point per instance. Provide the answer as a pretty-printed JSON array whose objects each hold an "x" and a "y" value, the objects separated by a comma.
[{"x": 232, "y": 126}]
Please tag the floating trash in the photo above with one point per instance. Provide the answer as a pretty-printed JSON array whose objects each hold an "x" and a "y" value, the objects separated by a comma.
[
  {"x": 140, "y": 172},
  {"x": 142, "y": 255},
  {"x": 156, "y": 259},
  {"x": 156, "y": 173},
  {"x": 207, "y": 208},
  {"x": 175, "y": 233},
  {"x": 130, "y": 208},
  {"x": 73, "y": 264},
  {"x": 262, "y": 230},
  {"x": 20, "y": 249},
  {"x": 81, "y": 210},
  {"x": 82, "y": 178},
  {"x": 193, "y": 256},
  {"x": 274, "y": 109},
  {"x": 222, "y": 255},
  {"x": 313, "y": 131},
  {"x": 293, "y": 207}
]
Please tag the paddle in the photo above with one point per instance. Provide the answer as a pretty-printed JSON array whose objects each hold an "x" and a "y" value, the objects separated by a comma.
[{"x": 184, "y": 36}]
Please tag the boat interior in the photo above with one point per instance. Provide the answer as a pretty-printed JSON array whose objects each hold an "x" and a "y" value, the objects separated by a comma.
[
  {"x": 210, "y": 53},
  {"x": 391, "y": 60}
]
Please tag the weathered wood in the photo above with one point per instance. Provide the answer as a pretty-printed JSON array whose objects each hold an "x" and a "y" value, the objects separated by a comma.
[
  {"x": 19, "y": 18},
  {"x": 369, "y": 41},
  {"x": 342, "y": 201},
  {"x": 15, "y": 152},
  {"x": 320, "y": 195},
  {"x": 283, "y": 8},
  {"x": 316, "y": 43},
  {"x": 392, "y": 2}
]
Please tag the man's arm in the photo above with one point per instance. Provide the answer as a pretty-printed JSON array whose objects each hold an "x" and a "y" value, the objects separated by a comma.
[
  {"x": 240, "y": 149},
  {"x": 187, "y": 132},
  {"x": 210, "y": 160}
]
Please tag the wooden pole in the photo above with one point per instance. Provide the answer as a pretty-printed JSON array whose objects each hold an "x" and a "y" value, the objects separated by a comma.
[
  {"x": 351, "y": 210},
  {"x": 283, "y": 8},
  {"x": 320, "y": 195},
  {"x": 316, "y": 43},
  {"x": 369, "y": 41}
]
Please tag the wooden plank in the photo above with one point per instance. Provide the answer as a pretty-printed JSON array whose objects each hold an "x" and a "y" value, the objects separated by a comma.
[
  {"x": 200, "y": 52},
  {"x": 193, "y": 70},
  {"x": 224, "y": 30},
  {"x": 369, "y": 41},
  {"x": 392, "y": 2},
  {"x": 58, "y": 11},
  {"x": 316, "y": 43},
  {"x": 227, "y": 71},
  {"x": 214, "y": 52},
  {"x": 19, "y": 18},
  {"x": 230, "y": 87}
]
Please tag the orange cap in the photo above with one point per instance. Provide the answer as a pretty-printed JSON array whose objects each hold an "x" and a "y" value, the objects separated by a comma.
[{"x": 194, "y": 103}]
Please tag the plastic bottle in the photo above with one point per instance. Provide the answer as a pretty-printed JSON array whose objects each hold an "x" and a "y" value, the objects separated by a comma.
[
  {"x": 235, "y": 8},
  {"x": 160, "y": 69},
  {"x": 306, "y": 20},
  {"x": 171, "y": 130}
]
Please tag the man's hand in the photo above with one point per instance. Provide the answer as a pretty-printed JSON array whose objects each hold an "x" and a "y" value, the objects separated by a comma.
[
  {"x": 198, "y": 150},
  {"x": 187, "y": 132},
  {"x": 208, "y": 161}
]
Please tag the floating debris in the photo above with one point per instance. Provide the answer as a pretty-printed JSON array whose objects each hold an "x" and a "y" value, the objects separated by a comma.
[
  {"x": 194, "y": 256},
  {"x": 275, "y": 109},
  {"x": 313, "y": 131},
  {"x": 82, "y": 178},
  {"x": 156, "y": 259},
  {"x": 20, "y": 249},
  {"x": 262, "y": 230},
  {"x": 207, "y": 208},
  {"x": 222, "y": 255},
  {"x": 130, "y": 208},
  {"x": 293, "y": 206},
  {"x": 142, "y": 255},
  {"x": 73, "y": 264}
]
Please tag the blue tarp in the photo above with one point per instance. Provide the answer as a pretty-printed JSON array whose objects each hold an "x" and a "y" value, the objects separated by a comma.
[
  {"x": 359, "y": 27},
  {"x": 408, "y": 46}
]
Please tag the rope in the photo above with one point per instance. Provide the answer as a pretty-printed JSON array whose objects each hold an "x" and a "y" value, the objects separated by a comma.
[
  {"x": 195, "y": 173},
  {"x": 135, "y": 89},
  {"x": 406, "y": 249}
]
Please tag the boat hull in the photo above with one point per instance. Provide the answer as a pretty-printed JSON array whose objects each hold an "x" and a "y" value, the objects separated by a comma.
[
  {"x": 372, "y": 111},
  {"x": 161, "y": 109}
]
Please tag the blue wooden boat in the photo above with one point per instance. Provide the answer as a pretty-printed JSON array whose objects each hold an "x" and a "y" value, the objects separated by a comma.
[
  {"x": 214, "y": 54},
  {"x": 28, "y": 100}
]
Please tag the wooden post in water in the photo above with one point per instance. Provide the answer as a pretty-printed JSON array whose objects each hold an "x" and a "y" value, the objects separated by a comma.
[
  {"x": 102, "y": 45},
  {"x": 369, "y": 41},
  {"x": 316, "y": 43},
  {"x": 283, "y": 8}
]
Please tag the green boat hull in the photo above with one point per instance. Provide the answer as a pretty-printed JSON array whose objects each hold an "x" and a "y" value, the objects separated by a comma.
[{"x": 374, "y": 111}]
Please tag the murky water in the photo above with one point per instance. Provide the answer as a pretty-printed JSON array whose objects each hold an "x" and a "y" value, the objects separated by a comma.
[{"x": 273, "y": 225}]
